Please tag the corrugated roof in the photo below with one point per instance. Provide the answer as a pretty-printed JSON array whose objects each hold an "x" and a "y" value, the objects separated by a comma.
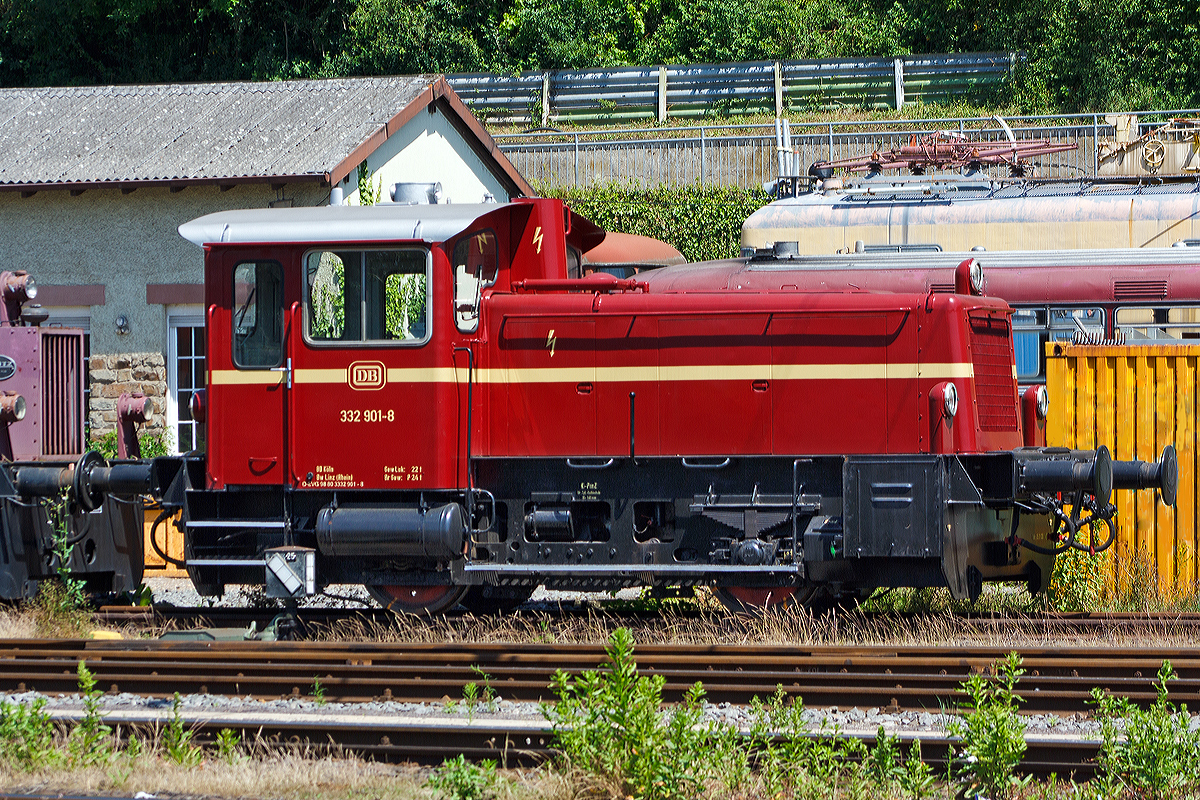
[{"x": 190, "y": 132}]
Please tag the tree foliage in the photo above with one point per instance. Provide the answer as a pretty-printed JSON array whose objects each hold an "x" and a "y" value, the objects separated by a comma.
[
  {"x": 1083, "y": 55},
  {"x": 702, "y": 222}
]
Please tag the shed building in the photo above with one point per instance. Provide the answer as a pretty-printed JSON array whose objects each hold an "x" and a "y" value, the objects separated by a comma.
[{"x": 95, "y": 182}]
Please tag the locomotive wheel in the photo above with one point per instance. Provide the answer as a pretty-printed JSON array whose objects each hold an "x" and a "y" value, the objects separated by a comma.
[
  {"x": 488, "y": 599},
  {"x": 425, "y": 601},
  {"x": 747, "y": 599}
]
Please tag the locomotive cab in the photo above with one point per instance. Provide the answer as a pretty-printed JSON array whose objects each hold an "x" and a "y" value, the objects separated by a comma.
[{"x": 338, "y": 377}]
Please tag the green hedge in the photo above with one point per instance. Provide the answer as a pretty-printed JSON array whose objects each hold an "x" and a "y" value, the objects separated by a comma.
[{"x": 704, "y": 223}]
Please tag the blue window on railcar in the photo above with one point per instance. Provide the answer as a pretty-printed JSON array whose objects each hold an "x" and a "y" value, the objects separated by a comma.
[
  {"x": 1026, "y": 345},
  {"x": 1034, "y": 326}
]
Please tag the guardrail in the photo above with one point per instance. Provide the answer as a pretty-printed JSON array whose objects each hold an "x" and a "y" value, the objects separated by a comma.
[
  {"x": 693, "y": 90},
  {"x": 747, "y": 155}
]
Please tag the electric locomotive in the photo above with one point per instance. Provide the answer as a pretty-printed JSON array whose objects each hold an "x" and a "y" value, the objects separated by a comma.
[{"x": 438, "y": 402}]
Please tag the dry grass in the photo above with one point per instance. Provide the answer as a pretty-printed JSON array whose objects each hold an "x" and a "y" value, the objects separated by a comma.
[
  {"x": 702, "y": 623},
  {"x": 285, "y": 776},
  {"x": 263, "y": 773},
  {"x": 17, "y": 623},
  {"x": 301, "y": 777}
]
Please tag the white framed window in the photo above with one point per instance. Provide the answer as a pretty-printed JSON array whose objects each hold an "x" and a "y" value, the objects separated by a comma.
[{"x": 185, "y": 374}]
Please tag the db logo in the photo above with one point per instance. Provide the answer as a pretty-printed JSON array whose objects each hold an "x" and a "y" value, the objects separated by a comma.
[{"x": 367, "y": 375}]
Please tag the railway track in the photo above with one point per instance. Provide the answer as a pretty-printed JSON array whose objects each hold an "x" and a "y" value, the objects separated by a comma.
[
  {"x": 512, "y": 743},
  {"x": 1057, "y": 679}
]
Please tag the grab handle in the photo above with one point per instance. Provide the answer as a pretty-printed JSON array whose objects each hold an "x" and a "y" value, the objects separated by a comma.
[
  {"x": 694, "y": 464},
  {"x": 575, "y": 464}
]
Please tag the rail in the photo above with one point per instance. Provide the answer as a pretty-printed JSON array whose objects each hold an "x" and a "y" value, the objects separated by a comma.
[
  {"x": 691, "y": 90},
  {"x": 1057, "y": 679},
  {"x": 511, "y": 743},
  {"x": 747, "y": 155}
]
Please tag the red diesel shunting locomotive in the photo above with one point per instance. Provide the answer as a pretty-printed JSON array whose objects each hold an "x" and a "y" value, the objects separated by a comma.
[{"x": 434, "y": 402}]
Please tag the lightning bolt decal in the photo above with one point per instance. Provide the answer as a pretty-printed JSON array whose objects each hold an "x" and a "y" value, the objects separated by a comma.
[
  {"x": 550, "y": 340},
  {"x": 537, "y": 240}
]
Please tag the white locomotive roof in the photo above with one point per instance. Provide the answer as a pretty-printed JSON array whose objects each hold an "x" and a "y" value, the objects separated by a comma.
[
  {"x": 1054, "y": 259},
  {"x": 961, "y": 214},
  {"x": 383, "y": 222}
]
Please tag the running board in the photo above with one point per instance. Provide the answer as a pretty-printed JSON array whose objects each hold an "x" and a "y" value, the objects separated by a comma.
[
  {"x": 236, "y": 523},
  {"x": 633, "y": 569}
]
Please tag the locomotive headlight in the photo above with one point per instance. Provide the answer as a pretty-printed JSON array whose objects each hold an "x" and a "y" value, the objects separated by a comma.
[
  {"x": 950, "y": 401},
  {"x": 12, "y": 407},
  {"x": 968, "y": 277},
  {"x": 976, "y": 277},
  {"x": 18, "y": 286},
  {"x": 1042, "y": 401}
]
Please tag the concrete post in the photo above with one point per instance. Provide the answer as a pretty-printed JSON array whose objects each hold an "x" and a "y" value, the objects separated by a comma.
[
  {"x": 778, "y": 89},
  {"x": 662, "y": 93},
  {"x": 898, "y": 68}
]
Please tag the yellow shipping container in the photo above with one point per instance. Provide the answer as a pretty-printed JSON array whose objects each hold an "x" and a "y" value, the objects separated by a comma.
[
  {"x": 1136, "y": 399},
  {"x": 170, "y": 540}
]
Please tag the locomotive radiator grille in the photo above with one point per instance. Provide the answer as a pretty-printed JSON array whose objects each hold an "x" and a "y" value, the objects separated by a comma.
[
  {"x": 1139, "y": 289},
  {"x": 62, "y": 394},
  {"x": 992, "y": 357}
]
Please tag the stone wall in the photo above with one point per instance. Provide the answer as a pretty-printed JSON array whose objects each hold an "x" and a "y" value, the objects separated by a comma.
[{"x": 111, "y": 376}]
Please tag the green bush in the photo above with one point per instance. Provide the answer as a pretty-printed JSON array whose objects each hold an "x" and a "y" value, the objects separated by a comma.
[
  {"x": 1081, "y": 55},
  {"x": 611, "y": 726},
  {"x": 153, "y": 444},
  {"x": 459, "y": 779},
  {"x": 177, "y": 739},
  {"x": 1078, "y": 580},
  {"x": 27, "y": 736},
  {"x": 90, "y": 741},
  {"x": 702, "y": 222},
  {"x": 1151, "y": 753},
  {"x": 992, "y": 732}
]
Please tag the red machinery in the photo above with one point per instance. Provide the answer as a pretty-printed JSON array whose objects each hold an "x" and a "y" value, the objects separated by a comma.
[
  {"x": 948, "y": 149},
  {"x": 90, "y": 528},
  {"x": 434, "y": 402}
]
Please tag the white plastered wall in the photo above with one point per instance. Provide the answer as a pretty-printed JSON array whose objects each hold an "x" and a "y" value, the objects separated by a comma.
[
  {"x": 124, "y": 241},
  {"x": 428, "y": 149}
]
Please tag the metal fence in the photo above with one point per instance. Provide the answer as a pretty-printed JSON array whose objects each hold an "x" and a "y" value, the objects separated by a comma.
[
  {"x": 747, "y": 155},
  {"x": 681, "y": 91}
]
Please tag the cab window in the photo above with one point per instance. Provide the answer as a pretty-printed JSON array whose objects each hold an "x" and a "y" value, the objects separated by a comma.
[
  {"x": 574, "y": 262},
  {"x": 258, "y": 314},
  {"x": 475, "y": 266},
  {"x": 367, "y": 296}
]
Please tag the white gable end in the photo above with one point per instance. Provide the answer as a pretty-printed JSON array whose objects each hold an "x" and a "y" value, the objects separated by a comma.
[{"x": 428, "y": 149}]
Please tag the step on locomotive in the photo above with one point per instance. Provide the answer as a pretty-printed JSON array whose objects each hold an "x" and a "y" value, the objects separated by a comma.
[{"x": 440, "y": 403}]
